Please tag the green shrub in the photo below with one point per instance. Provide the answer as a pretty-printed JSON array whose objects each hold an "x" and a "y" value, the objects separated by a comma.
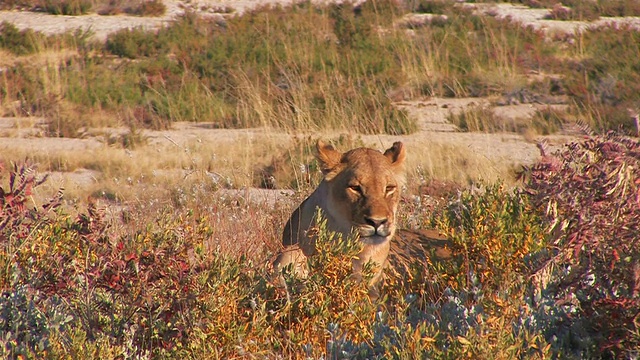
[
  {"x": 479, "y": 291},
  {"x": 431, "y": 6},
  {"x": 325, "y": 67},
  {"x": 133, "y": 43},
  {"x": 589, "y": 10},
  {"x": 476, "y": 119},
  {"x": 29, "y": 323},
  {"x": 19, "y": 42},
  {"x": 111, "y": 286},
  {"x": 304, "y": 80},
  {"x": 67, "y": 7},
  {"x": 149, "y": 8},
  {"x": 619, "y": 8},
  {"x": 493, "y": 231},
  {"x": 548, "y": 121}
]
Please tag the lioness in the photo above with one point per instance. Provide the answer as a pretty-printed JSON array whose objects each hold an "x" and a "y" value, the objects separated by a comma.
[{"x": 360, "y": 192}]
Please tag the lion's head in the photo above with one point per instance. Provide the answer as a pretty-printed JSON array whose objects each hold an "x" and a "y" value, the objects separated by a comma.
[
  {"x": 364, "y": 188},
  {"x": 361, "y": 192}
]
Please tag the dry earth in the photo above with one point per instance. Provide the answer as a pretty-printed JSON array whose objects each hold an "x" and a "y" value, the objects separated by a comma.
[
  {"x": 101, "y": 26},
  {"x": 507, "y": 150}
]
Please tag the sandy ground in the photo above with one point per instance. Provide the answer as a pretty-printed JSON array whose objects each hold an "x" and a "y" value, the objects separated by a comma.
[{"x": 536, "y": 18}]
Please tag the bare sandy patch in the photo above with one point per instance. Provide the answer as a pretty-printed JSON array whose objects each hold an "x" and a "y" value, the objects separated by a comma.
[
  {"x": 261, "y": 197},
  {"x": 102, "y": 25},
  {"x": 537, "y": 18}
]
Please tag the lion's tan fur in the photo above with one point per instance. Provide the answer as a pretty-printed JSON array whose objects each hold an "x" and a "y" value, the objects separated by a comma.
[{"x": 360, "y": 192}]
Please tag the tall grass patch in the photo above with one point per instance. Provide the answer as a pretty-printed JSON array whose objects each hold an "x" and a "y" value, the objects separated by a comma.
[
  {"x": 335, "y": 66},
  {"x": 67, "y": 7},
  {"x": 471, "y": 55},
  {"x": 316, "y": 70},
  {"x": 311, "y": 68},
  {"x": 585, "y": 10},
  {"x": 19, "y": 42},
  {"x": 603, "y": 77},
  {"x": 480, "y": 118},
  {"x": 83, "y": 7}
]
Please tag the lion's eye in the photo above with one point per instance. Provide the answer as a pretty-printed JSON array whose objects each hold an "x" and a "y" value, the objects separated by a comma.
[
  {"x": 390, "y": 189},
  {"x": 356, "y": 189}
]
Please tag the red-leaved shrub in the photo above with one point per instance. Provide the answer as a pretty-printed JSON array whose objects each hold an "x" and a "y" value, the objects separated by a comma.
[{"x": 590, "y": 194}]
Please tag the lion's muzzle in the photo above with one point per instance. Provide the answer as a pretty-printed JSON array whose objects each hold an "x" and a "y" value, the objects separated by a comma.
[
  {"x": 375, "y": 226},
  {"x": 368, "y": 230},
  {"x": 378, "y": 227}
]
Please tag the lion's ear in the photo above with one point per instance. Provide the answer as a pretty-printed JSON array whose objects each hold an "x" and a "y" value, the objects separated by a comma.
[
  {"x": 329, "y": 159},
  {"x": 396, "y": 153}
]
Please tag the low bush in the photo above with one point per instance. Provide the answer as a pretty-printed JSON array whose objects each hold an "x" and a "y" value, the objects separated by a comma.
[
  {"x": 132, "y": 43},
  {"x": 67, "y": 7},
  {"x": 148, "y": 8},
  {"x": 589, "y": 194},
  {"x": 17, "y": 4},
  {"x": 431, "y": 6},
  {"x": 493, "y": 231},
  {"x": 75, "y": 288},
  {"x": 548, "y": 121},
  {"x": 19, "y": 42},
  {"x": 477, "y": 118}
]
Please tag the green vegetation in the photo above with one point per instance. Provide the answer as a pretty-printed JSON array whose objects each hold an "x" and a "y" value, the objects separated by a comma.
[
  {"x": 604, "y": 80},
  {"x": 148, "y": 8},
  {"x": 67, "y": 7},
  {"x": 480, "y": 118},
  {"x": 331, "y": 67},
  {"x": 19, "y": 42},
  {"x": 477, "y": 118},
  {"x": 259, "y": 70}
]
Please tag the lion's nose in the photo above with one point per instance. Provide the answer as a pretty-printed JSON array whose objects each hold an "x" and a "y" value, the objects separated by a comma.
[{"x": 375, "y": 222}]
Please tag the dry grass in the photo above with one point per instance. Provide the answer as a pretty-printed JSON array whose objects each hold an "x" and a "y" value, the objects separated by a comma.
[
  {"x": 324, "y": 82},
  {"x": 456, "y": 163},
  {"x": 177, "y": 172},
  {"x": 165, "y": 162}
]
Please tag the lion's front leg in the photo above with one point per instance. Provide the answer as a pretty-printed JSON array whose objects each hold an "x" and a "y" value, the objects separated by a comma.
[{"x": 294, "y": 257}]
